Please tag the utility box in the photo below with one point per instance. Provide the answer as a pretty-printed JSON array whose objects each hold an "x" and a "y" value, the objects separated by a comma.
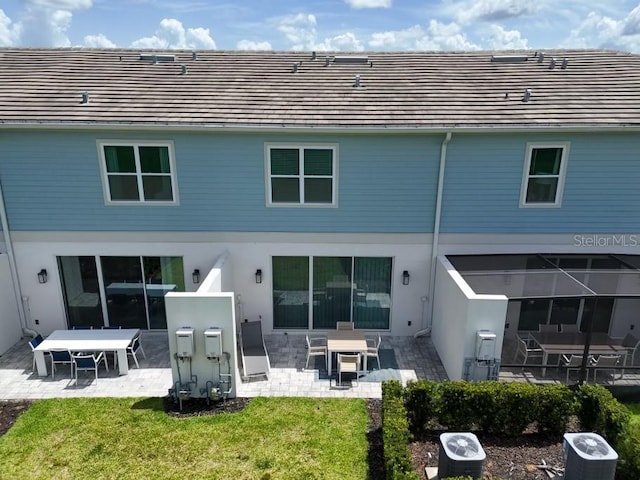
[
  {"x": 184, "y": 342},
  {"x": 485, "y": 345},
  {"x": 213, "y": 342}
]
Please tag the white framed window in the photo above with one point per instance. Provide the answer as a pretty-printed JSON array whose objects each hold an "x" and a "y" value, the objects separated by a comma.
[
  {"x": 138, "y": 172},
  {"x": 301, "y": 175},
  {"x": 545, "y": 167}
]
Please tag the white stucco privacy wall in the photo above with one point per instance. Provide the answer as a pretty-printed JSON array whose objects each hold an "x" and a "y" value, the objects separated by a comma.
[
  {"x": 9, "y": 316},
  {"x": 201, "y": 311},
  {"x": 458, "y": 314}
]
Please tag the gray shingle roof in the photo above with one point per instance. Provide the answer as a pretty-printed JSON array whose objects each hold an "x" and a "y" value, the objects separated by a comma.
[{"x": 261, "y": 89}]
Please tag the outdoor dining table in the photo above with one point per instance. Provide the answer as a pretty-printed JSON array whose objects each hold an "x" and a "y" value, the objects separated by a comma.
[
  {"x": 571, "y": 343},
  {"x": 94, "y": 340},
  {"x": 346, "y": 341}
]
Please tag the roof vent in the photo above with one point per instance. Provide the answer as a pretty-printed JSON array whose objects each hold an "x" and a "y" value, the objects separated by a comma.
[
  {"x": 552, "y": 64},
  {"x": 194, "y": 55},
  {"x": 295, "y": 67},
  {"x": 185, "y": 70},
  {"x": 313, "y": 55},
  {"x": 157, "y": 57},
  {"x": 540, "y": 57},
  {"x": 509, "y": 58},
  {"x": 351, "y": 60},
  {"x": 327, "y": 61},
  {"x": 85, "y": 97},
  {"x": 356, "y": 83},
  {"x": 527, "y": 95},
  {"x": 565, "y": 63}
]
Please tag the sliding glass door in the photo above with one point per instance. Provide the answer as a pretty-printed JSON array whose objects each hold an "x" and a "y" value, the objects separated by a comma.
[
  {"x": 327, "y": 290},
  {"x": 119, "y": 291}
]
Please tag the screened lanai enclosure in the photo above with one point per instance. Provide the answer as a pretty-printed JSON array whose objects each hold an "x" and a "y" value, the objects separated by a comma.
[{"x": 601, "y": 292}]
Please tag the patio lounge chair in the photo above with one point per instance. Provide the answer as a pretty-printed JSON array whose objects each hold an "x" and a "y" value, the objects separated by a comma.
[{"x": 255, "y": 360}]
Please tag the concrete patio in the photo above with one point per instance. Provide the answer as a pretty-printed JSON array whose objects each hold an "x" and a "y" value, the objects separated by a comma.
[{"x": 402, "y": 358}]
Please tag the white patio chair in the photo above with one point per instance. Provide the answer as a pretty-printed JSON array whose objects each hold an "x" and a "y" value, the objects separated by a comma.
[
  {"x": 33, "y": 343},
  {"x": 525, "y": 348},
  {"x": 543, "y": 327},
  {"x": 373, "y": 348},
  {"x": 134, "y": 347},
  {"x": 316, "y": 347},
  {"x": 573, "y": 362},
  {"x": 87, "y": 362},
  {"x": 344, "y": 325},
  {"x": 348, "y": 363},
  {"x": 632, "y": 344},
  {"x": 606, "y": 363},
  {"x": 569, "y": 328}
]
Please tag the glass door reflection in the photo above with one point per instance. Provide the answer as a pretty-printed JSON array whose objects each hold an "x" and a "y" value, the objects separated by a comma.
[{"x": 124, "y": 289}]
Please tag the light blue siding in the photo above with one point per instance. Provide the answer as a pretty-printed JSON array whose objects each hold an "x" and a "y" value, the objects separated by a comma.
[
  {"x": 52, "y": 181},
  {"x": 484, "y": 177}
]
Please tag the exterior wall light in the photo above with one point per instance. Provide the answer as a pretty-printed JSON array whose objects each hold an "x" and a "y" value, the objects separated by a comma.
[
  {"x": 42, "y": 276},
  {"x": 196, "y": 276},
  {"x": 259, "y": 276},
  {"x": 405, "y": 277}
]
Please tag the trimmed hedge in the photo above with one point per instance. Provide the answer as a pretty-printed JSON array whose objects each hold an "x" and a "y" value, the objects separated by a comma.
[
  {"x": 395, "y": 434},
  {"x": 504, "y": 409}
]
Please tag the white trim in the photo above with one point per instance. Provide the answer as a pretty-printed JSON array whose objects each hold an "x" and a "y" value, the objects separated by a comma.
[
  {"x": 301, "y": 147},
  {"x": 564, "y": 157},
  {"x": 136, "y": 144}
]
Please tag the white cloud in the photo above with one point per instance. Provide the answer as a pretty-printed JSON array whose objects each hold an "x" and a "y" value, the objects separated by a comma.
[
  {"x": 492, "y": 10},
  {"x": 357, "y": 4},
  {"x": 601, "y": 31},
  {"x": 98, "y": 41},
  {"x": 61, "y": 4},
  {"x": 439, "y": 36},
  {"x": 300, "y": 30},
  {"x": 251, "y": 45},
  {"x": 45, "y": 28},
  {"x": 172, "y": 34},
  {"x": 9, "y": 31},
  {"x": 502, "y": 39}
]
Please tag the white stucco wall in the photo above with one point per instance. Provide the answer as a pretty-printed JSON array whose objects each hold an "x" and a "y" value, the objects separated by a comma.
[
  {"x": 201, "y": 310},
  {"x": 458, "y": 314},
  {"x": 247, "y": 253},
  {"x": 9, "y": 316}
]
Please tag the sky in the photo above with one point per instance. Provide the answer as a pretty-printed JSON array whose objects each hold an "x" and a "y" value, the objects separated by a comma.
[{"x": 322, "y": 25}]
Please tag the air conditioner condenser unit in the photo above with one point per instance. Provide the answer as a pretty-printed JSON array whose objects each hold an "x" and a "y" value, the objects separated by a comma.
[
  {"x": 460, "y": 455},
  {"x": 587, "y": 456}
]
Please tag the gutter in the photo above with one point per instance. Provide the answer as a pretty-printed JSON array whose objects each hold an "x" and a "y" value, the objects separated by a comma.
[
  {"x": 12, "y": 265},
  {"x": 426, "y": 329}
]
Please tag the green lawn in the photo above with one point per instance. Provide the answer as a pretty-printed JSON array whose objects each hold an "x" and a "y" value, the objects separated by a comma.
[{"x": 110, "y": 438}]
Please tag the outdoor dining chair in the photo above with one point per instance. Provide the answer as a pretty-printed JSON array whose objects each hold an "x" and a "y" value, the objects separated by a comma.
[
  {"x": 569, "y": 328},
  {"x": 87, "y": 362},
  {"x": 573, "y": 362},
  {"x": 527, "y": 350},
  {"x": 373, "y": 348},
  {"x": 33, "y": 343},
  {"x": 344, "y": 325},
  {"x": 61, "y": 357},
  {"x": 543, "y": 327},
  {"x": 606, "y": 363},
  {"x": 134, "y": 347},
  {"x": 348, "y": 363},
  {"x": 316, "y": 347},
  {"x": 632, "y": 344}
]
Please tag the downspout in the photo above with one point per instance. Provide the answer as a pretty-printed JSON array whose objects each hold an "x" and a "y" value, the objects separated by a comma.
[
  {"x": 426, "y": 329},
  {"x": 12, "y": 266}
]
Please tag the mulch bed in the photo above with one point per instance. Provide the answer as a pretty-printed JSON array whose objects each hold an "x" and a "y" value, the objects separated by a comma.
[{"x": 507, "y": 458}]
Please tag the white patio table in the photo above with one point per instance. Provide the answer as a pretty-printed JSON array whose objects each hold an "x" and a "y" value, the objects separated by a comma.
[
  {"x": 97, "y": 340},
  {"x": 346, "y": 341}
]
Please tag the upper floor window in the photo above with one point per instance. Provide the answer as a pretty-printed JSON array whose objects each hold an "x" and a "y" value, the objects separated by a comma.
[
  {"x": 544, "y": 172},
  {"x": 301, "y": 175},
  {"x": 138, "y": 172}
]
